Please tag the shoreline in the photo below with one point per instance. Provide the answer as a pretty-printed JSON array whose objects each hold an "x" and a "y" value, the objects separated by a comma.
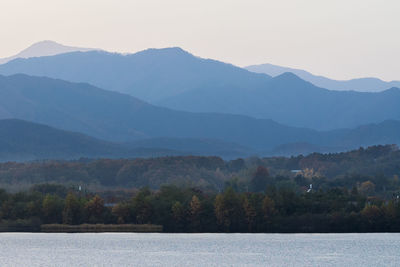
[
  {"x": 84, "y": 228},
  {"x": 99, "y": 228}
]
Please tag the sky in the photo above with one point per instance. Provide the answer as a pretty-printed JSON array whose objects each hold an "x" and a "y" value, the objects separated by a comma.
[{"x": 340, "y": 39}]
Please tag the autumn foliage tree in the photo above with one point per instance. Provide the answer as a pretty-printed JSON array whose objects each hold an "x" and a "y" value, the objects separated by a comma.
[
  {"x": 142, "y": 206},
  {"x": 228, "y": 210},
  {"x": 95, "y": 209},
  {"x": 72, "y": 213},
  {"x": 260, "y": 180},
  {"x": 195, "y": 213},
  {"x": 52, "y": 207}
]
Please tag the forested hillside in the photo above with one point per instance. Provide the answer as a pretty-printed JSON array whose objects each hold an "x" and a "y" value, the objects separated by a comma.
[{"x": 379, "y": 165}]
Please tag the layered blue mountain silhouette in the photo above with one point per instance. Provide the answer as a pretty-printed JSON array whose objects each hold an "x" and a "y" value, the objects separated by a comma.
[
  {"x": 120, "y": 118},
  {"x": 150, "y": 75},
  {"x": 22, "y": 140},
  {"x": 292, "y": 101},
  {"x": 361, "y": 84},
  {"x": 175, "y": 79}
]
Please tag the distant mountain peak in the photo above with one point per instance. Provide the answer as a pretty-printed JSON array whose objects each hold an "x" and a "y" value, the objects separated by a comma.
[
  {"x": 48, "y": 48},
  {"x": 168, "y": 51},
  {"x": 172, "y": 49},
  {"x": 289, "y": 77},
  {"x": 175, "y": 49},
  {"x": 44, "y": 43},
  {"x": 44, "y": 48}
]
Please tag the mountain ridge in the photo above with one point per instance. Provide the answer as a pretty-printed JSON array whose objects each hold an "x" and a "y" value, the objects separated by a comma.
[
  {"x": 150, "y": 75},
  {"x": 22, "y": 140},
  {"x": 175, "y": 79},
  {"x": 292, "y": 101},
  {"x": 366, "y": 84},
  {"x": 120, "y": 118}
]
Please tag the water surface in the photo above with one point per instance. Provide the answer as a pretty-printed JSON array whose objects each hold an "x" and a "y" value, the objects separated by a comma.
[{"x": 137, "y": 249}]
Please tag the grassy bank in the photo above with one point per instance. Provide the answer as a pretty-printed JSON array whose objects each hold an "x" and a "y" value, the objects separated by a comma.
[{"x": 30, "y": 225}]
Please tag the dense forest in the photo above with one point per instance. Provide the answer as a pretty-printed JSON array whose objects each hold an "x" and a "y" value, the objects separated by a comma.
[
  {"x": 357, "y": 191},
  {"x": 193, "y": 210},
  {"x": 378, "y": 164}
]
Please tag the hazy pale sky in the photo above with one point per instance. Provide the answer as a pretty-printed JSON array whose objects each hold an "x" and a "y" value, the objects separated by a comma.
[{"x": 341, "y": 39}]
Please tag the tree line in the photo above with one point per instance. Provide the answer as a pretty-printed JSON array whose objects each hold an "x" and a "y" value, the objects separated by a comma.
[
  {"x": 356, "y": 191},
  {"x": 378, "y": 164},
  {"x": 180, "y": 209}
]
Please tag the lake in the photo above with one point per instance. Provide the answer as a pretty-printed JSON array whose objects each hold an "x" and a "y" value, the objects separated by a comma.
[{"x": 145, "y": 249}]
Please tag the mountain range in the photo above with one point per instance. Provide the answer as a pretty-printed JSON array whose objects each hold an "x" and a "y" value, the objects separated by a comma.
[
  {"x": 175, "y": 79},
  {"x": 149, "y": 75},
  {"x": 134, "y": 124},
  {"x": 293, "y": 101},
  {"x": 370, "y": 84},
  {"x": 121, "y": 118},
  {"x": 170, "y": 102},
  {"x": 22, "y": 140},
  {"x": 361, "y": 84}
]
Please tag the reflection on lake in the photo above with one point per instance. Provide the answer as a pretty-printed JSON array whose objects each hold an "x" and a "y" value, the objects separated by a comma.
[{"x": 134, "y": 249}]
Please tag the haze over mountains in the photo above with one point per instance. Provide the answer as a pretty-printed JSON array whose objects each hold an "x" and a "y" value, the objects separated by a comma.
[
  {"x": 44, "y": 48},
  {"x": 22, "y": 140},
  {"x": 292, "y": 101},
  {"x": 176, "y": 79},
  {"x": 209, "y": 108},
  {"x": 151, "y": 75},
  {"x": 360, "y": 84},
  {"x": 121, "y": 118},
  {"x": 117, "y": 117}
]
